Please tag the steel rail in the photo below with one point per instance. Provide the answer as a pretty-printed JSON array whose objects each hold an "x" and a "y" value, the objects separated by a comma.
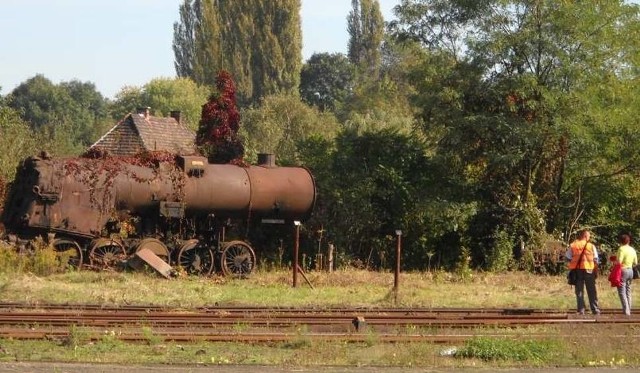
[
  {"x": 297, "y": 310},
  {"x": 37, "y": 321},
  {"x": 244, "y": 309}
]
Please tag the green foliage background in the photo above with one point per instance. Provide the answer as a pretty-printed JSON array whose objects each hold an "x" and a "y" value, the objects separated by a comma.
[{"x": 487, "y": 131}]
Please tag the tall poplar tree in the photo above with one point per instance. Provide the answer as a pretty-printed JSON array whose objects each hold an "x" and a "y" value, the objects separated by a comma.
[
  {"x": 184, "y": 37},
  {"x": 258, "y": 41},
  {"x": 366, "y": 31}
]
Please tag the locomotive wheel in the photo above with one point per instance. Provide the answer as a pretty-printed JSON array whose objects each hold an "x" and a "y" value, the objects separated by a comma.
[
  {"x": 238, "y": 259},
  {"x": 196, "y": 259},
  {"x": 156, "y": 246},
  {"x": 106, "y": 253},
  {"x": 70, "y": 248}
]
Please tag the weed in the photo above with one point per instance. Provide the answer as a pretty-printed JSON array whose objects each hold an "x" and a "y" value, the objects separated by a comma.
[
  {"x": 77, "y": 337},
  {"x": 463, "y": 267},
  {"x": 301, "y": 339},
  {"x": 151, "y": 338},
  {"x": 240, "y": 327},
  {"x": 299, "y": 342},
  {"x": 492, "y": 349},
  {"x": 40, "y": 258},
  {"x": 109, "y": 342},
  {"x": 371, "y": 338},
  {"x": 10, "y": 260},
  {"x": 45, "y": 260}
]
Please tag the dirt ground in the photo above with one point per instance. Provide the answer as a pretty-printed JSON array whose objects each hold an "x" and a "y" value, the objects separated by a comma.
[{"x": 98, "y": 368}]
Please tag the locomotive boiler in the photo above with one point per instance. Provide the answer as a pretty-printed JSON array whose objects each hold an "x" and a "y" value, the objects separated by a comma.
[{"x": 105, "y": 210}]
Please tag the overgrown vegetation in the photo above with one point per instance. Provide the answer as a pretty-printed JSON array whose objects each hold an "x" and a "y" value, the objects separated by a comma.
[
  {"x": 439, "y": 126},
  {"x": 301, "y": 353},
  {"x": 539, "y": 346},
  {"x": 342, "y": 288},
  {"x": 40, "y": 259},
  {"x": 496, "y": 349}
]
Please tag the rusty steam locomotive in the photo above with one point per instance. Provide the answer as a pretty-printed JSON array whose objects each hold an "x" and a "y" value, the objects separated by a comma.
[{"x": 105, "y": 210}]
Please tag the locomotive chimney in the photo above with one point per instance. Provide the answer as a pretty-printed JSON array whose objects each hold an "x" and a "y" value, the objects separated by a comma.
[
  {"x": 266, "y": 160},
  {"x": 176, "y": 114}
]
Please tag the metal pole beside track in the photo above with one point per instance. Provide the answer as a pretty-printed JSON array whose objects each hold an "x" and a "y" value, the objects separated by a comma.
[
  {"x": 396, "y": 279},
  {"x": 296, "y": 249}
]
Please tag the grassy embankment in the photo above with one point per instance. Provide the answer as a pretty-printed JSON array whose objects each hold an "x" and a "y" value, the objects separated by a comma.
[{"x": 342, "y": 288}]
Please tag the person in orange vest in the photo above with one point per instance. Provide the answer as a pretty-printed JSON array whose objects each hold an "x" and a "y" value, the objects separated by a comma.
[
  {"x": 583, "y": 257},
  {"x": 628, "y": 259}
]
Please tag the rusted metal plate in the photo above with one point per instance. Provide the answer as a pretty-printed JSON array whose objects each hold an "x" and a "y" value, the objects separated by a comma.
[{"x": 154, "y": 261}]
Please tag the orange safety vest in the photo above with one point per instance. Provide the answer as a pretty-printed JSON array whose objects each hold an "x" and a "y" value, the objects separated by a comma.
[{"x": 587, "y": 259}]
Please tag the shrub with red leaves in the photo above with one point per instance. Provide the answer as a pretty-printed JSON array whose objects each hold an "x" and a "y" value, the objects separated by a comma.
[
  {"x": 218, "y": 130},
  {"x": 96, "y": 153}
]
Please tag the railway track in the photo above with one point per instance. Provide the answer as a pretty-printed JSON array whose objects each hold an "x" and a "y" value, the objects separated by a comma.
[{"x": 260, "y": 324}]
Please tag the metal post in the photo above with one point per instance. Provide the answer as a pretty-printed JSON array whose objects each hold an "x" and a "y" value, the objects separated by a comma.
[
  {"x": 296, "y": 249},
  {"x": 396, "y": 279},
  {"x": 331, "y": 247}
]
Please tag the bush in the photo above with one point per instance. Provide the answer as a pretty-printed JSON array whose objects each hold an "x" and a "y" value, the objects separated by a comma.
[
  {"x": 501, "y": 256},
  {"x": 463, "y": 266},
  {"x": 10, "y": 260},
  {"x": 42, "y": 260}
]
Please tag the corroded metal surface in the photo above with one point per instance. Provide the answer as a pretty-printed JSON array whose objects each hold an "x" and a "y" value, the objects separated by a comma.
[
  {"x": 161, "y": 202},
  {"x": 149, "y": 257},
  {"x": 80, "y": 195},
  {"x": 277, "y": 324}
]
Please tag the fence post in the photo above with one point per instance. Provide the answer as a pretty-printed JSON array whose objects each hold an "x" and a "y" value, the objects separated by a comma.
[{"x": 396, "y": 279}]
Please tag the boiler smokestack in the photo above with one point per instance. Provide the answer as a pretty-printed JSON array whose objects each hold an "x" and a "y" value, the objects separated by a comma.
[{"x": 266, "y": 160}]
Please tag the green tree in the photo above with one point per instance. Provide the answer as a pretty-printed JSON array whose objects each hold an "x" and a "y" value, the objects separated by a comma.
[
  {"x": 326, "y": 80},
  {"x": 259, "y": 42},
  {"x": 39, "y": 101},
  {"x": 281, "y": 124},
  {"x": 76, "y": 104},
  {"x": 17, "y": 141},
  {"x": 88, "y": 114},
  {"x": 184, "y": 37},
  {"x": 126, "y": 101},
  {"x": 163, "y": 95},
  {"x": 383, "y": 186},
  {"x": 366, "y": 32},
  {"x": 384, "y": 102},
  {"x": 514, "y": 90}
]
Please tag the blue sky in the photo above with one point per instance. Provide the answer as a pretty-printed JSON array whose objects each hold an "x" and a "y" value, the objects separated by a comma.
[{"x": 116, "y": 43}]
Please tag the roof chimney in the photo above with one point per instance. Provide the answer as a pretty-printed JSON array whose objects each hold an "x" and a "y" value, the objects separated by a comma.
[
  {"x": 144, "y": 111},
  {"x": 176, "y": 114}
]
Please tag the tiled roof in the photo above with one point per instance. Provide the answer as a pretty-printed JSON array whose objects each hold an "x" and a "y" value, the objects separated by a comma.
[{"x": 136, "y": 133}]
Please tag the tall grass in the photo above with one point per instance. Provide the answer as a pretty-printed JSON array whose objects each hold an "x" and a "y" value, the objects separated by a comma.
[{"x": 40, "y": 259}]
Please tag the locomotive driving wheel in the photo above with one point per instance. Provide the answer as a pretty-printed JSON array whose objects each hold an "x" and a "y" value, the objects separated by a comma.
[
  {"x": 196, "y": 259},
  {"x": 238, "y": 259},
  {"x": 71, "y": 249},
  {"x": 106, "y": 253}
]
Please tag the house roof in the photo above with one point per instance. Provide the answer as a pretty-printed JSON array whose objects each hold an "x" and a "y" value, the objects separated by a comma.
[{"x": 138, "y": 132}]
